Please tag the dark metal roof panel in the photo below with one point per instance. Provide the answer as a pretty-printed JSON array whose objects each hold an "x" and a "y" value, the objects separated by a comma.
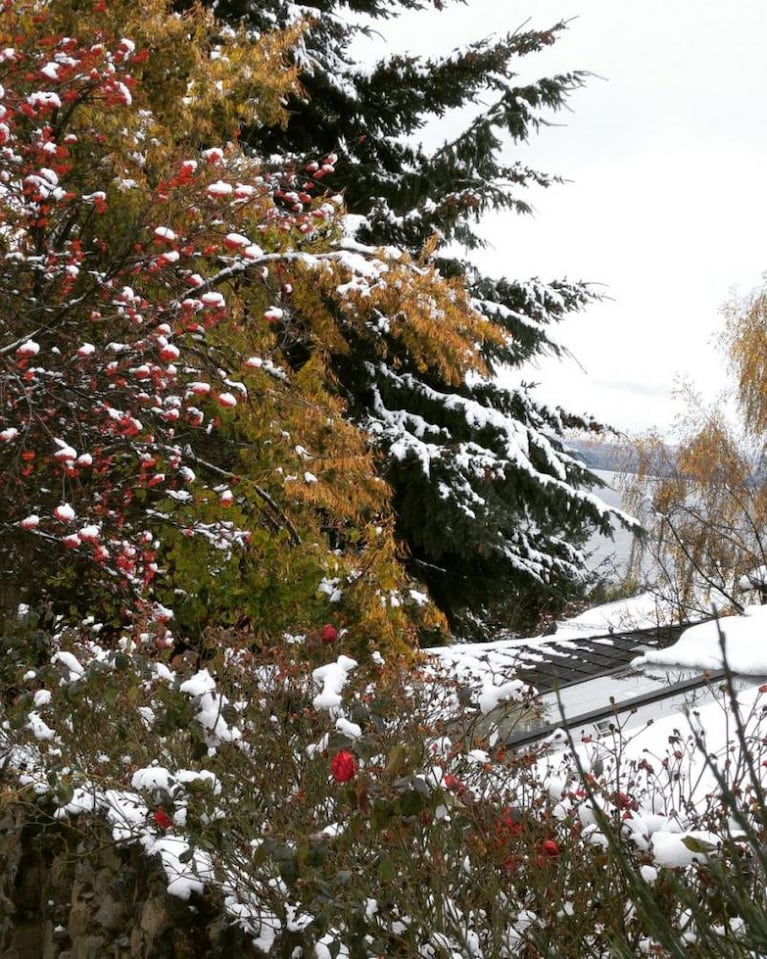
[{"x": 560, "y": 662}]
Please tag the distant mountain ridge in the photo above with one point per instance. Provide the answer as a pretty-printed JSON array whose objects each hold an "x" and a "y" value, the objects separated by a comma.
[{"x": 615, "y": 457}]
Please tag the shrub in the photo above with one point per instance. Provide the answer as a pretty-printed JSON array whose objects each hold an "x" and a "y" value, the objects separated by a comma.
[{"x": 365, "y": 810}]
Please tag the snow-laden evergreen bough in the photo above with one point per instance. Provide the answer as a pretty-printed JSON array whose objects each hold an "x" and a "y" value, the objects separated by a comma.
[{"x": 491, "y": 505}]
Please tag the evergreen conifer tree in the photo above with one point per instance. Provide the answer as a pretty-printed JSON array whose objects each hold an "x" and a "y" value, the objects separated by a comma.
[{"x": 491, "y": 505}]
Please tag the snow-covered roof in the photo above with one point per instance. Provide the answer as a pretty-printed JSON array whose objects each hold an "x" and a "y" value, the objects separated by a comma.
[{"x": 587, "y": 678}]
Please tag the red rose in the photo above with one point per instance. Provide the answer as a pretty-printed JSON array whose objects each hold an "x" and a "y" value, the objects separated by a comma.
[
  {"x": 343, "y": 767},
  {"x": 329, "y": 633},
  {"x": 624, "y": 801}
]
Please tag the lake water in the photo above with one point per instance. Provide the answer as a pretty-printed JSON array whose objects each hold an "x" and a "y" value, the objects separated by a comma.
[{"x": 611, "y": 556}]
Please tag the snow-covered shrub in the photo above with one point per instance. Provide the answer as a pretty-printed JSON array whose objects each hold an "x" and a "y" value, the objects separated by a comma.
[{"x": 340, "y": 809}]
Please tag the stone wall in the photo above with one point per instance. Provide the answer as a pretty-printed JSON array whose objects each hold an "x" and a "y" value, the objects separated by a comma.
[{"x": 68, "y": 892}]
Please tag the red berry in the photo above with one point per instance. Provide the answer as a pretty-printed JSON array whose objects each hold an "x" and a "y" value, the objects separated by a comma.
[
  {"x": 162, "y": 820},
  {"x": 508, "y": 825},
  {"x": 329, "y": 633},
  {"x": 343, "y": 767},
  {"x": 454, "y": 784},
  {"x": 550, "y": 848}
]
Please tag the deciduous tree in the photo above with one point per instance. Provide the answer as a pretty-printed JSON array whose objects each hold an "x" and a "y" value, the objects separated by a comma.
[
  {"x": 704, "y": 499},
  {"x": 491, "y": 506},
  {"x": 158, "y": 450}
]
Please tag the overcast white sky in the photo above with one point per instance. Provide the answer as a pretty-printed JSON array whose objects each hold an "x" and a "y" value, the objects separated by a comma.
[{"x": 667, "y": 207}]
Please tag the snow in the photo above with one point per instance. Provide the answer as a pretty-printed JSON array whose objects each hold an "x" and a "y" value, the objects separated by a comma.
[
  {"x": 332, "y": 678},
  {"x": 644, "y": 611},
  {"x": 213, "y": 299},
  {"x": 666, "y": 837},
  {"x": 50, "y": 71},
  {"x": 153, "y": 779},
  {"x": 29, "y": 348},
  {"x": 235, "y": 240},
  {"x": 200, "y": 684},
  {"x": 134, "y": 814},
  {"x": 332, "y": 589},
  {"x": 40, "y": 730},
  {"x": 220, "y": 188},
  {"x": 672, "y": 742},
  {"x": 227, "y": 400},
  {"x": 210, "y": 705},
  {"x": 495, "y": 662},
  {"x": 493, "y": 695},
  {"x": 739, "y": 642},
  {"x": 184, "y": 877},
  {"x": 347, "y": 728},
  {"x": 44, "y": 98},
  {"x": 70, "y": 663}
]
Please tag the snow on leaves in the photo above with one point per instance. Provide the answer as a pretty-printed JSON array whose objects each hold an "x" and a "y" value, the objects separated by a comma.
[
  {"x": 96, "y": 354},
  {"x": 311, "y": 774},
  {"x": 158, "y": 292}
]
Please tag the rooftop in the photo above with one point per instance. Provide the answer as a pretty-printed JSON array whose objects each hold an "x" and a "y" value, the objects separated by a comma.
[{"x": 590, "y": 683}]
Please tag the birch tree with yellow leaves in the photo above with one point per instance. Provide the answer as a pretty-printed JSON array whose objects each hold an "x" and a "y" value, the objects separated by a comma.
[{"x": 704, "y": 499}]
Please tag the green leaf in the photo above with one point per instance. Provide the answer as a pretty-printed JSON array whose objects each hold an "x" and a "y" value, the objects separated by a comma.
[
  {"x": 421, "y": 786},
  {"x": 386, "y": 870},
  {"x": 381, "y": 814},
  {"x": 260, "y": 853},
  {"x": 64, "y": 792},
  {"x": 397, "y": 763},
  {"x": 697, "y": 845},
  {"x": 316, "y": 854},
  {"x": 411, "y": 803},
  {"x": 72, "y": 691},
  {"x": 230, "y": 714},
  {"x": 289, "y": 871},
  {"x": 186, "y": 855}
]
